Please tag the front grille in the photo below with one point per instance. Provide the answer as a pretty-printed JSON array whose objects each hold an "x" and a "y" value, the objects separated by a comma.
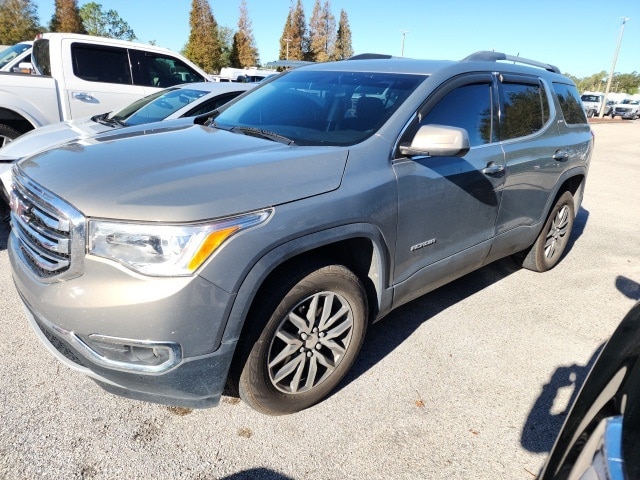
[{"x": 49, "y": 232}]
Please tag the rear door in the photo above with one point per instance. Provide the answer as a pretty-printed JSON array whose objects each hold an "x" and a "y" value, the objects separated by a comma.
[{"x": 99, "y": 80}]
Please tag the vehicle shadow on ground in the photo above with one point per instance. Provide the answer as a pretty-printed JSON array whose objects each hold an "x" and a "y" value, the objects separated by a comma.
[
  {"x": 550, "y": 409},
  {"x": 257, "y": 474},
  {"x": 629, "y": 288},
  {"x": 385, "y": 336}
]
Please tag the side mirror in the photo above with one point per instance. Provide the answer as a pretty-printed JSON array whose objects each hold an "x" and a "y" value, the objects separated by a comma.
[
  {"x": 438, "y": 141},
  {"x": 23, "y": 67}
]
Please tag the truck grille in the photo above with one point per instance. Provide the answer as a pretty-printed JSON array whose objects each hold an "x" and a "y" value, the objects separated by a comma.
[{"x": 49, "y": 232}]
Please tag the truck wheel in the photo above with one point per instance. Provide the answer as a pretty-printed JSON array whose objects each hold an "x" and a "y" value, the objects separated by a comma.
[
  {"x": 590, "y": 114},
  {"x": 7, "y": 134},
  {"x": 548, "y": 248},
  {"x": 313, "y": 323}
]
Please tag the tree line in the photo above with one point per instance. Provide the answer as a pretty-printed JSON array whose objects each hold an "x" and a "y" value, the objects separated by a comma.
[{"x": 210, "y": 45}]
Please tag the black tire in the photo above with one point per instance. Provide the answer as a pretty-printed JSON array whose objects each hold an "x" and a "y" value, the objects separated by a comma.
[
  {"x": 293, "y": 357},
  {"x": 7, "y": 134},
  {"x": 590, "y": 113},
  {"x": 548, "y": 248}
]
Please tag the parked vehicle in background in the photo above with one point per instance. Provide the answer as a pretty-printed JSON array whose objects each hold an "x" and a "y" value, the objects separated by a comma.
[
  {"x": 186, "y": 100},
  {"x": 82, "y": 75},
  {"x": 627, "y": 109},
  {"x": 600, "y": 438},
  {"x": 260, "y": 248},
  {"x": 592, "y": 103},
  {"x": 13, "y": 56}
]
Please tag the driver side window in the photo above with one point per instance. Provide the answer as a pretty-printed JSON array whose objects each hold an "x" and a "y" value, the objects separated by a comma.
[{"x": 468, "y": 107}]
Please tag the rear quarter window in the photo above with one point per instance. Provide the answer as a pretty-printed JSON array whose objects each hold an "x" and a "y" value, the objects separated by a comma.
[{"x": 570, "y": 103}]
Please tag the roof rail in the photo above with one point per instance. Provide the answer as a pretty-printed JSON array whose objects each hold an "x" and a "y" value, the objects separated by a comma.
[
  {"x": 370, "y": 56},
  {"x": 487, "y": 56}
]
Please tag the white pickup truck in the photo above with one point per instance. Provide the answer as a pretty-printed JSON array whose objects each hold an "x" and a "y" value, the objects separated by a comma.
[{"x": 81, "y": 75}]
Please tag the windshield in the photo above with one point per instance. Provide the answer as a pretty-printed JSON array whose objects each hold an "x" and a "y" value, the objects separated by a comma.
[
  {"x": 320, "y": 108},
  {"x": 157, "y": 106},
  {"x": 12, "y": 52},
  {"x": 630, "y": 102},
  {"x": 590, "y": 98}
]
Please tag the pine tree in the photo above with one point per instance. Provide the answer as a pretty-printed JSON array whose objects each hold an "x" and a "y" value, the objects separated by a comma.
[
  {"x": 342, "y": 46},
  {"x": 321, "y": 32},
  {"x": 18, "y": 21},
  {"x": 244, "y": 52},
  {"x": 66, "y": 17},
  {"x": 294, "y": 40},
  {"x": 203, "y": 48}
]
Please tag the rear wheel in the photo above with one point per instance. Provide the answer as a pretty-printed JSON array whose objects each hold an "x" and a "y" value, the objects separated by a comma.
[
  {"x": 312, "y": 322},
  {"x": 7, "y": 134},
  {"x": 548, "y": 248}
]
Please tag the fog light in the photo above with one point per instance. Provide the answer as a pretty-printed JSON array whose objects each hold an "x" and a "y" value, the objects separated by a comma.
[{"x": 141, "y": 356}]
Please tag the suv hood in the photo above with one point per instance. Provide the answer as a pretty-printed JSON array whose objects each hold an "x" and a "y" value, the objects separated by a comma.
[{"x": 183, "y": 173}]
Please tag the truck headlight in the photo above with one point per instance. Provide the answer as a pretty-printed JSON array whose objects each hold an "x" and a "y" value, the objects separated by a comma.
[{"x": 165, "y": 250}]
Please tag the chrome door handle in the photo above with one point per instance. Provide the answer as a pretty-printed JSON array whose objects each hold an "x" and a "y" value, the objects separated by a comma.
[
  {"x": 561, "y": 155},
  {"x": 493, "y": 169},
  {"x": 83, "y": 96}
]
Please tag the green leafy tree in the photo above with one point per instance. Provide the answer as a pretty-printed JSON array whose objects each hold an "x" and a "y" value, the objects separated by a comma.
[
  {"x": 204, "y": 47},
  {"x": 66, "y": 17},
  {"x": 18, "y": 21},
  {"x": 225, "y": 37},
  {"x": 244, "y": 52},
  {"x": 105, "y": 24},
  {"x": 294, "y": 44},
  {"x": 342, "y": 48},
  {"x": 322, "y": 33}
]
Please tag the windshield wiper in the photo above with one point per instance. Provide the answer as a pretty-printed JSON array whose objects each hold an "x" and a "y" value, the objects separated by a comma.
[
  {"x": 105, "y": 120},
  {"x": 257, "y": 132}
]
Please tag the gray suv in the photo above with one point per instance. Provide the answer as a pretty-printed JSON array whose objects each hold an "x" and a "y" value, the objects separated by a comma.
[{"x": 257, "y": 248}]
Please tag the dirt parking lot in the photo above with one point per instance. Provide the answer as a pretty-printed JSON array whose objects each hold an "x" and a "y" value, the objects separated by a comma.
[{"x": 470, "y": 381}]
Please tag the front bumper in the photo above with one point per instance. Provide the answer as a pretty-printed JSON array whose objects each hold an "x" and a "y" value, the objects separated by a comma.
[{"x": 167, "y": 333}]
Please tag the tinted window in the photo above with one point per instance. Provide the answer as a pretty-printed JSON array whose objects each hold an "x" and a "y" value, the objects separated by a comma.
[
  {"x": 210, "y": 105},
  {"x": 570, "y": 104},
  {"x": 162, "y": 71},
  {"x": 524, "y": 109},
  {"x": 467, "y": 107},
  {"x": 101, "y": 64}
]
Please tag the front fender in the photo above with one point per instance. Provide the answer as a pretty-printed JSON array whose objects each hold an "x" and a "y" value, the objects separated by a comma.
[{"x": 297, "y": 247}]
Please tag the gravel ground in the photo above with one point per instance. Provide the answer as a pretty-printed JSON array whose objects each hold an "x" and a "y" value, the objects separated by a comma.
[{"x": 470, "y": 381}]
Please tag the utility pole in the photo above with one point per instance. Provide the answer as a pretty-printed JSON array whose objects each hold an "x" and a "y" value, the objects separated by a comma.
[
  {"x": 613, "y": 68},
  {"x": 288, "y": 40},
  {"x": 404, "y": 34}
]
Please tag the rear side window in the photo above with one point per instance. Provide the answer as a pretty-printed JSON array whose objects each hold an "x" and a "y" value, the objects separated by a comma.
[
  {"x": 101, "y": 64},
  {"x": 524, "y": 108},
  {"x": 570, "y": 104}
]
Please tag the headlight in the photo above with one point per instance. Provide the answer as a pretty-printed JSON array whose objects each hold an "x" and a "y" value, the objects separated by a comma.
[{"x": 165, "y": 250}]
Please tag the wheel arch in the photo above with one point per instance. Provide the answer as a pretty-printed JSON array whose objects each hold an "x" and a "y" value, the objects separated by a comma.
[
  {"x": 16, "y": 120},
  {"x": 359, "y": 247}
]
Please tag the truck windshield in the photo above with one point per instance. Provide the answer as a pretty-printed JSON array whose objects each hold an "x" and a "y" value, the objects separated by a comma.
[
  {"x": 319, "y": 107},
  {"x": 12, "y": 52}
]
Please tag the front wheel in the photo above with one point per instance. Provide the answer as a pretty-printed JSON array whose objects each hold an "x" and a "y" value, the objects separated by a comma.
[
  {"x": 548, "y": 248},
  {"x": 313, "y": 324}
]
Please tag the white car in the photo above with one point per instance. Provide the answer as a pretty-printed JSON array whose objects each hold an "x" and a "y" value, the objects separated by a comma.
[
  {"x": 12, "y": 57},
  {"x": 187, "y": 100},
  {"x": 628, "y": 108}
]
